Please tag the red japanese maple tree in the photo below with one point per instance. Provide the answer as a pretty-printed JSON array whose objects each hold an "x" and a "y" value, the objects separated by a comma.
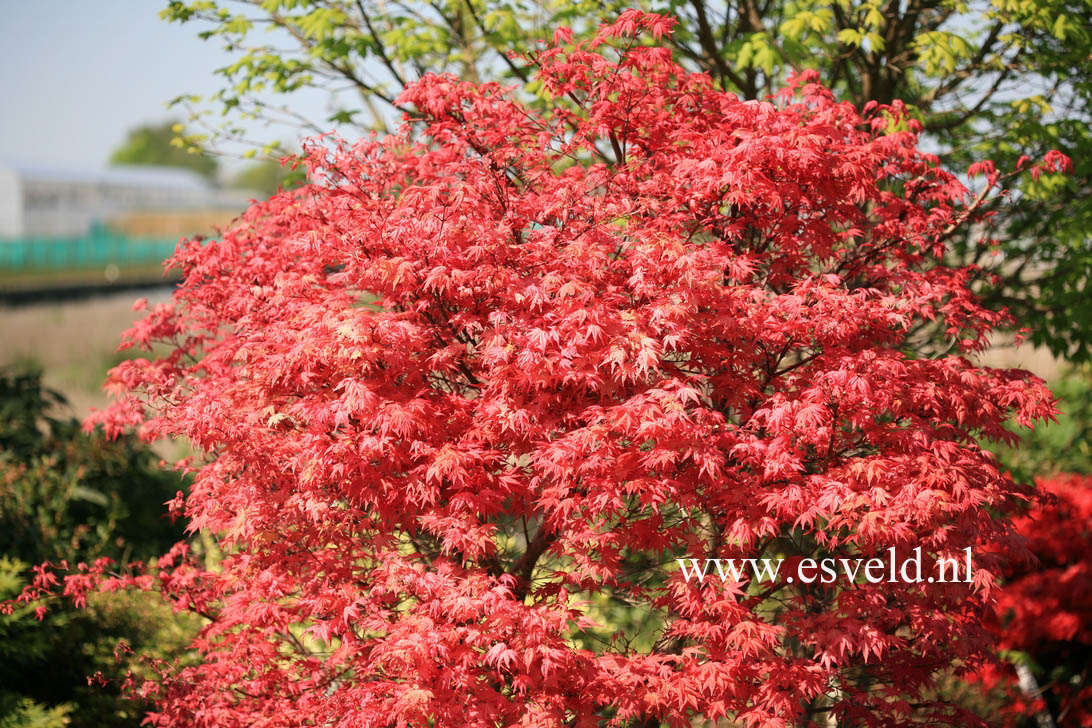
[{"x": 467, "y": 397}]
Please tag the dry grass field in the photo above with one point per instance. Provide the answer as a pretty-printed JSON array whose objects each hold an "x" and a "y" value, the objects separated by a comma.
[{"x": 73, "y": 342}]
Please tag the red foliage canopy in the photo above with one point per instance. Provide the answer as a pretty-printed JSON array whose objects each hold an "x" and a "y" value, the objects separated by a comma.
[
  {"x": 1045, "y": 608},
  {"x": 1051, "y": 602},
  {"x": 478, "y": 386}
]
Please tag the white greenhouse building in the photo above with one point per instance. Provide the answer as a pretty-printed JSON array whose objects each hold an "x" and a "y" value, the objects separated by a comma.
[{"x": 43, "y": 202}]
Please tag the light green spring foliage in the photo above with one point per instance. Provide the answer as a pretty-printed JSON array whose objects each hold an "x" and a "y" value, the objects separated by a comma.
[
  {"x": 993, "y": 79},
  {"x": 943, "y": 56}
]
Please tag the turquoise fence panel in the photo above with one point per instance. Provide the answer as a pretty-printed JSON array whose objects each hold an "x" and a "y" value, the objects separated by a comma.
[{"x": 94, "y": 250}]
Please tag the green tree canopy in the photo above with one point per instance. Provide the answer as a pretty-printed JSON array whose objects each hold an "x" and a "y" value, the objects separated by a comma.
[
  {"x": 159, "y": 144},
  {"x": 267, "y": 176},
  {"x": 990, "y": 79}
]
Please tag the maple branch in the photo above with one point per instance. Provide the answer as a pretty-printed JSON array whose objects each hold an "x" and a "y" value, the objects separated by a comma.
[
  {"x": 524, "y": 566},
  {"x": 618, "y": 154}
]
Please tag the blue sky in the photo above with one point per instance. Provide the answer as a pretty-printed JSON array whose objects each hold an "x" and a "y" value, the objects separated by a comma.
[{"x": 77, "y": 74}]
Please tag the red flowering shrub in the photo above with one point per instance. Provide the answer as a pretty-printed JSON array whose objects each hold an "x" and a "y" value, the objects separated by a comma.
[
  {"x": 1045, "y": 610},
  {"x": 467, "y": 396}
]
